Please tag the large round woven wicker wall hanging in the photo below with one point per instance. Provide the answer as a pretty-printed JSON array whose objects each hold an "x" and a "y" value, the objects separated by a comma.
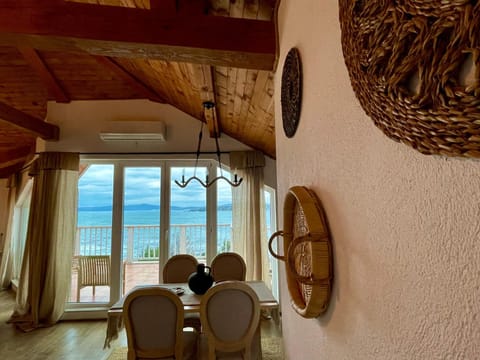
[
  {"x": 307, "y": 252},
  {"x": 291, "y": 97},
  {"x": 415, "y": 68}
]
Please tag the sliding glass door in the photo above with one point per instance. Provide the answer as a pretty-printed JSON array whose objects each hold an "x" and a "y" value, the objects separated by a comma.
[
  {"x": 188, "y": 213},
  {"x": 224, "y": 213},
  {"x": 134, "y": 213},
  {"x": 94, "y": 234}
]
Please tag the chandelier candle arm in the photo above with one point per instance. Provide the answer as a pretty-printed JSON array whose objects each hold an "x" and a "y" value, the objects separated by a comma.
[{"x": 236, "y": 181}]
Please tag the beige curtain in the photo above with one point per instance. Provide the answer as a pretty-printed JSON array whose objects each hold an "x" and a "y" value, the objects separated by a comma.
[
  {"x": 7, "y": 264},
  {"x": 249, "y": 225},
  {"x": 46, "y": 268}
]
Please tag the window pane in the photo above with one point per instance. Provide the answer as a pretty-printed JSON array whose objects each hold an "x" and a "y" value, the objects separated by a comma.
[
  {"x": 224, "y": 213},
  {"x": 188, "y": 213},
  {"x": 141, "y": 229},
  {"x": 270, "y": 217},
  {"x": 20, "y": 226},
  {"x": 94, "y": 231}
]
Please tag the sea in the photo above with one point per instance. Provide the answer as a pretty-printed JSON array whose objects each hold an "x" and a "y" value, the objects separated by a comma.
[
  {"x": 97, "y": 241},
  {"x": 151, "y": 217}
]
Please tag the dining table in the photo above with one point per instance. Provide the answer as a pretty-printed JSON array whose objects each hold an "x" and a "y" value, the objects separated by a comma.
[{"x": 191, "y": 304}]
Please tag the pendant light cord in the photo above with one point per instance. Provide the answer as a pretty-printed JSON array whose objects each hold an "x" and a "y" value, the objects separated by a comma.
[
  {"x": 200, "y": 135},
  {"x": 236, "y": 182}
]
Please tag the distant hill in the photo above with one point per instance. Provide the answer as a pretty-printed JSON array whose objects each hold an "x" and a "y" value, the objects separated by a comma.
[
  {"x": 95, "y": 208},
  {"x": 142, "y": 207},
  {"x": 127, "y": 208}
]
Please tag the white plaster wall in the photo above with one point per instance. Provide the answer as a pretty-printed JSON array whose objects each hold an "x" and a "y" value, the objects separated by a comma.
[
  {"x": 406, "y": 230},
  {"x": 81, "y": 122}
]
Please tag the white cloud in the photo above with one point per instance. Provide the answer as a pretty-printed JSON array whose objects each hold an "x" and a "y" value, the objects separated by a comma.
[{"x": 142, "y": 186}]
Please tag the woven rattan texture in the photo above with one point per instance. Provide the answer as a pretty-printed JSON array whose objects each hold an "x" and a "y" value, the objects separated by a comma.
[
  {"x": 302, "y": 252},
  {"x": 405, "y": 60}
]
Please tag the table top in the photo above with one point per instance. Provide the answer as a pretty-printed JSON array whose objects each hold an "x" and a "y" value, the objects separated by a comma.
[{"x": 191, "y": 301}]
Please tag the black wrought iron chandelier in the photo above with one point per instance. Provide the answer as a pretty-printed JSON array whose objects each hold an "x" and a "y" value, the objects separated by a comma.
[{"x": 207, "y": 183}]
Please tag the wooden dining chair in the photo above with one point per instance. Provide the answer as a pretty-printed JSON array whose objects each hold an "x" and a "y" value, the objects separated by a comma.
[
  {"x": 93, "y": 271},
  {"x": 154, "y": 324},
  {"x": 177, "y": 270},
  {"x": 230, "y": 314},
  {"x": 228, "y": 266}
]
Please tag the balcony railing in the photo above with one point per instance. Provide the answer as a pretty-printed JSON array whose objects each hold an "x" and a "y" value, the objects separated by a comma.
[{"x": 141, "y": 242}]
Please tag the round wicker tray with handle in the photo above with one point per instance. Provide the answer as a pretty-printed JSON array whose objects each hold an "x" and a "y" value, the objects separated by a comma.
[{"x": 307, "y": 252}]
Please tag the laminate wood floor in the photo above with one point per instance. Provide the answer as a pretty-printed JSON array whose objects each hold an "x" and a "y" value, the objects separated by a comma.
[{"x": 68, "y": 340}]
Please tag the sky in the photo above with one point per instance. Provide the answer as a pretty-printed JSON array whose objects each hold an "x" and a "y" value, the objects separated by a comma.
[{"x": 142, "y": 186}]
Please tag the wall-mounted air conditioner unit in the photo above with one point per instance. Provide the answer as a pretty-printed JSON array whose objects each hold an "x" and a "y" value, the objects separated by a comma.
[{"x": 134, "y": 131}]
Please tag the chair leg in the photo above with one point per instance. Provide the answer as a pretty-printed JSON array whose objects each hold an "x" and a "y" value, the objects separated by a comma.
[
  {"x": 276, "y": 315},
  {"x": 248, "y": 353},
  {"x": 79, "y": 281},
  {"x": 211, "y": 353},
  {"x": 193, "y": 323},
  {"x": 266, "y": 314},
  {"x": 131, "y": 355}
]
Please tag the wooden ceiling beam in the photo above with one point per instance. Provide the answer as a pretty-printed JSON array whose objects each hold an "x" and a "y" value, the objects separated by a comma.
[
  {"x": 6, "y": 171},
  {"x": 211, "y": 117},
  {"x": 138, "y": 33},
  {"x": 168, "y": 7},
  {"x": 14, "y": 155},
  {"x": 29, "y": 123},
  {"x": 7, "y": 156},
  {"x": 42, "y": 70},
  {"x": 202, "y": 75},
  {"x": 207, "y": 93},
  {"x": 192, "y": 7},
  {"x": 14, "y": 159},
  {"x": 129, "y": 78}
]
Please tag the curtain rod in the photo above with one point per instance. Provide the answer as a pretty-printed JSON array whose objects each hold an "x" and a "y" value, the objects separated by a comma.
[{"x": 142, "y": 153}]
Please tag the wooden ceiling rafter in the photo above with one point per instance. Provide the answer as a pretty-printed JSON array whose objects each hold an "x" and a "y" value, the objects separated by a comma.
[
  {"x": 168, "y": 7},
  {"x": 19, "y": 154},
  {"x": 6, "y": 171},
  {"x": 29, "y": 123},
  {"x": 138, "y": 33},
  {"x": 207, "y": 93},
  {"x": 129, "y": 78},
  {"x": 53, "y": 86},
  {"x": 182, "y": 76},
  {"x": 211, "y": 118},
  {"x": 190, "y": 7},
  {"x": 14, "y": 160}
]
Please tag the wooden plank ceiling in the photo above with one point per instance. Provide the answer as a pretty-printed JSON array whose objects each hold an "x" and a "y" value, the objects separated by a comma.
[{"x": 181, "y": 52}]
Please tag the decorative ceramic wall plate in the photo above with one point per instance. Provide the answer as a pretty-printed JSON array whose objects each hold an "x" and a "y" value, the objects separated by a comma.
[
  {"x": 291, "y": 97},
  {"x": 307, "y": 252}
]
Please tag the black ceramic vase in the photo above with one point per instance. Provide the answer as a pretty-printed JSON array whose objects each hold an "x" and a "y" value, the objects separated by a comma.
[{"x": 200, "y": 281}]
